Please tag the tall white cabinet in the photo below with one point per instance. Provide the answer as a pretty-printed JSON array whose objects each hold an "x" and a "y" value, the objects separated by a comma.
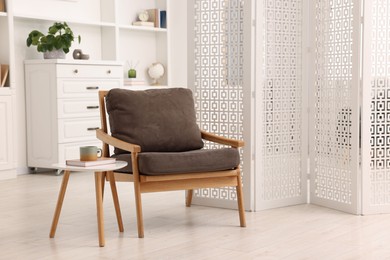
[
  {"x": 7, "y": 149},
  {"x": 63, "y": 108},
  {"x": 7, "y": 100}
]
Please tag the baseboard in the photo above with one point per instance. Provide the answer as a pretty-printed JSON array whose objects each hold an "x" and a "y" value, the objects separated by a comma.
[{"x": 7, "y": 174}]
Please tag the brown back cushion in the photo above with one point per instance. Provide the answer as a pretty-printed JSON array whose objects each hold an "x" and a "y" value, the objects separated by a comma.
[{"x": 159, "y": 120}]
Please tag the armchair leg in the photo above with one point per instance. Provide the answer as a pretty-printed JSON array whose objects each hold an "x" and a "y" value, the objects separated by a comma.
[
  {"x": 240, "y": 200},
  {"x": 189, "y": 197},
  {"x": 138, "y": 204}
]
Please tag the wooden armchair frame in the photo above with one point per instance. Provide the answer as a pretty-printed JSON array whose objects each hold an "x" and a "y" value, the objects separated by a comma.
[{"x": 184, "y": 181}]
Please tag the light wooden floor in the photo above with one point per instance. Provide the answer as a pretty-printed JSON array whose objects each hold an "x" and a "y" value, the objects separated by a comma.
[{"x": 173, "y": 231}]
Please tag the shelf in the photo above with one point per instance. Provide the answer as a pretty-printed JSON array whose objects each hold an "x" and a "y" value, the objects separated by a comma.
[
  {"x": 3, "y": 14},
  {"x": 142, "y": 28},
  {"x": 80, "y": 22},
  {"x": 6, "y": 91}
]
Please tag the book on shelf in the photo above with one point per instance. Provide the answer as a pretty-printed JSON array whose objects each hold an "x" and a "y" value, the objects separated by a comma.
[
  {"x": 4, "y": 69},
  {"x": 141, "y": 23},
  {"x": 2, "y": 5},
  {"x": 99, "y": 161},
  {"x": 163, "y": 19},
  {"x": 154, "y": 16}
]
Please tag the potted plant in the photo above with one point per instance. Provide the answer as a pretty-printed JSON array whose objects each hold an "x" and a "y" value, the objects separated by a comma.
[{"x": 56, "y": 43}]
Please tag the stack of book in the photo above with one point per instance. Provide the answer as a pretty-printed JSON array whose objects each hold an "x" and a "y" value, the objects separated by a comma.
[
  {"x": 99, "y": 161},
  {"x": 141, "y": 23},
  {"x": 134, "y": 82}
]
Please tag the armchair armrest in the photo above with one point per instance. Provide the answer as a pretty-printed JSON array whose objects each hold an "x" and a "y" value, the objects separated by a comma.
[
  {"x": 221, "y": 140},
  {"x": 108, "y": 139}
]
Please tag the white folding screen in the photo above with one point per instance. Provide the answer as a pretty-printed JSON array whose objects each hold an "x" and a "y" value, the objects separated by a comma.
[
  {"x": 313, "y": 93},
  {"x": 376, "y": 108},
  {"x": 216, "y": 76},
  {"x": 334, "y": 123},
  {"x": 281, "y": 104}
]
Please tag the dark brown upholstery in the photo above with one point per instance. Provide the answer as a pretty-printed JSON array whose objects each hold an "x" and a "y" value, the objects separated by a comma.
[
  {"x": 157, "y": 129},
  {"x": 159, "y": 120},
  {"x": 203, "y": 160}
]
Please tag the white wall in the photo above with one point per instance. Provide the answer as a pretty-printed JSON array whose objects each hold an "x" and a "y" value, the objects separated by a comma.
[{"x": 178, "y": 41}]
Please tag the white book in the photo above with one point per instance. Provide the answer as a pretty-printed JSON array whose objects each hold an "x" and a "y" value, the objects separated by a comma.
[
  {"x": 140, "y": 23},
  {"x": 99, "y": 161}
]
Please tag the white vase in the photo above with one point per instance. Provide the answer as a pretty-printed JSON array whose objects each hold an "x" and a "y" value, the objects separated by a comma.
[{"x": 54, "y": 54}]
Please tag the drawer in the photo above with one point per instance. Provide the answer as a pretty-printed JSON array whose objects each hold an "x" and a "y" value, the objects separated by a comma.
[
  {"x": 70, "y": 151},
  {"x": 84, "y": 88},
  {"x": 89, "y": 71},
  {"x": 76, "y": 130},
  {"x": 74, "y": 108}
]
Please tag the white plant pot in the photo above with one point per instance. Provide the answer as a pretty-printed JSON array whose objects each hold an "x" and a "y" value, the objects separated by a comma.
[{"x": 54, "y": 54}]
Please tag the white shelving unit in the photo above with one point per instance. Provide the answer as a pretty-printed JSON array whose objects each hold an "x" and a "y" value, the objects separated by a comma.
[
  {"x": 107, "y": 34},
  {"x": 7, "y": 99},
  {"x": 105, "y": 27}
]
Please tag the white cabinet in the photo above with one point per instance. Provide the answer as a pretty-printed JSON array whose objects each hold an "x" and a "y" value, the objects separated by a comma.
[
  {"x": 6, "y": 137},
  {"x": 62, "y": 106}
]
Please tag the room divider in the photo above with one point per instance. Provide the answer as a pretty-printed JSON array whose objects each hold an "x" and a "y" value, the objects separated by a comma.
[{"x": 306, "y": 85}]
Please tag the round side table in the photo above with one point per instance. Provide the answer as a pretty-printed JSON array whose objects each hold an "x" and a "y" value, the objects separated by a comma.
[{"x": 100, "y": 174}]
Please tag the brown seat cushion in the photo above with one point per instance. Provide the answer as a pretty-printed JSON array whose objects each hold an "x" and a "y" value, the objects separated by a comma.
[
  {"x": 152, "y": 163},
  {"x": 159, "y": 120}
]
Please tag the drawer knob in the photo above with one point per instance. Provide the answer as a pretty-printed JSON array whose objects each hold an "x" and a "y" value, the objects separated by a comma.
[
  {"x": 92, "y": 107},
  {"x": 108, "y": 71},
  {"x": 92, "y": 128},
  {"x": 76, "y": 71},
  {"x": 93, "y": 87}
]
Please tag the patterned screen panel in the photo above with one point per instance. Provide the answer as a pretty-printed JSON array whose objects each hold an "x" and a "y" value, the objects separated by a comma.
[
  {"x": 379, "y": 185},
  {"x": 334, "y": 140},
  {"x": 218, "y": 88},
  {"x": 281, "y": 97}
]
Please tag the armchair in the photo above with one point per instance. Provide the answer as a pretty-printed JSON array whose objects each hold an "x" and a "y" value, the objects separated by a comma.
[{"x": 155, "y": 131}]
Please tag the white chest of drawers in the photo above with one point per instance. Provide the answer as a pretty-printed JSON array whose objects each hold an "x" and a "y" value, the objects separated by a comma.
[{"x": 62, "y": 106}]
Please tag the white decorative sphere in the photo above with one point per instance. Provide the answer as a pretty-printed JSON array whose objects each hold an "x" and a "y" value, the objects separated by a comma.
[{"x": 156, "y": 71}]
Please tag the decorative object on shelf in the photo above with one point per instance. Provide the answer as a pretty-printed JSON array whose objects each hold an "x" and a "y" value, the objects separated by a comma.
[
  {"x": 154, "y": 16},
  {"x": 59, "y": 39},
  {"x": 156, "y": 71},
  {"x": 79, "y": 55},
  {"x": 54, "y": 54},
  {"x": 4, "y": 69},
  {"x": 143, "y": 16},
  {"x": 132, "y": 72}
]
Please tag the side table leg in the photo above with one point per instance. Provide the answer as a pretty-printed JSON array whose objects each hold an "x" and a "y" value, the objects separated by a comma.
[
  {"x": 115, "y": 199},
  {"x": 60, "y": 200},
  {"x": 99, "y": 207}
]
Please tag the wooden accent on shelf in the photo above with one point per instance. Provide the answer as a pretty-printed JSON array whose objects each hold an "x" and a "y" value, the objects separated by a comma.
[
  {"x": 4, "y": 68},
  {"x": 2, "y": 5}
]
